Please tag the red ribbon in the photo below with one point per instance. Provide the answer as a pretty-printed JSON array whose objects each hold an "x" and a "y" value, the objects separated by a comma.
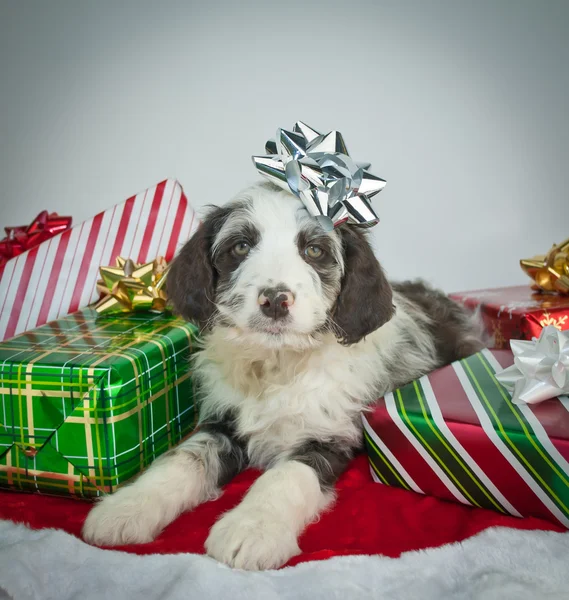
[{"x": 22, "y": 238}]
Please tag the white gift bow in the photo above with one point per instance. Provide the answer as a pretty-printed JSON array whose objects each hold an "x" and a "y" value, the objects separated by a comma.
[{"x": 541, "y": 367}]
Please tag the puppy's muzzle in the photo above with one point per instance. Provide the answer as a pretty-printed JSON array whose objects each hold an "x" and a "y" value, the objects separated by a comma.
[{"x": 275, "y": 302}]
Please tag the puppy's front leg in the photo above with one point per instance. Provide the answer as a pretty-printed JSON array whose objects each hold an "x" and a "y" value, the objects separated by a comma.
[
  {"x": 176, "y": 482},
  {"x": 262, "y": 532}
]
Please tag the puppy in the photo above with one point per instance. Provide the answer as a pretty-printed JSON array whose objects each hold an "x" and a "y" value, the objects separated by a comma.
[{"x": 301, "y": 332}]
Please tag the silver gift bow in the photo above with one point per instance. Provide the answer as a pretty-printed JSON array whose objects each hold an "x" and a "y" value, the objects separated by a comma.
[
  {"x": 541, "y": 367},
  {"x": 318, "y": 169}
]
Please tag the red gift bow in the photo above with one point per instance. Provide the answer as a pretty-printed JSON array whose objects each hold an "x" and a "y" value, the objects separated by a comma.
[{"x": 22, "y": 238}]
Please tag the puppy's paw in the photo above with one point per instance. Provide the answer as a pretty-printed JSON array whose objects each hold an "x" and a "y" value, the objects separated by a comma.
[
  {"x": 249, "y": 540},
  {"x": 126, "y": 517}
]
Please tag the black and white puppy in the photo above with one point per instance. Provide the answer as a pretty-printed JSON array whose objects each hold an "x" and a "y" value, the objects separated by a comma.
[{"x": 302, "y": 331}]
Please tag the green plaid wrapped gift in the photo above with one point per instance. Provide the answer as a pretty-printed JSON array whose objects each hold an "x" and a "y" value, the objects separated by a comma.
[{"x": 86, "y": 402}]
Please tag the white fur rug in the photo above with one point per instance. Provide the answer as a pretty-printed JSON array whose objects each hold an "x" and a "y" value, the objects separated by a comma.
[{"x": 498, "y": 564}]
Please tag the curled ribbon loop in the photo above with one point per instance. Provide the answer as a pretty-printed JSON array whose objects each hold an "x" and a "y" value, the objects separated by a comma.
[
  {"x": 541, "y": 367},
  {"x": 318, "y": 169},
  {"x": 24, "y": 237},
  {"x": 130, "y": 286}
]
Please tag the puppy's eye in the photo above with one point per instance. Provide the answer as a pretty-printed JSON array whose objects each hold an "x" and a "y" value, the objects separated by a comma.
[
  {"x": 241, "y": 248},
  {"x": 313, "y": 252}
]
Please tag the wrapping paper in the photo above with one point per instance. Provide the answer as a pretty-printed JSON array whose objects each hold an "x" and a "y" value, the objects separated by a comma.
[
  {"x": 60, "y": 275},
  {"x": 517, "y": 313},
  {"x": 455, "y": 434},
  {"x": 86, "y": 402}
]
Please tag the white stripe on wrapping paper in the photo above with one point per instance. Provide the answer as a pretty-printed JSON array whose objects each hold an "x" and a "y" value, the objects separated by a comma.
[
  {"x": 109, "y": 242},
  {"x": 134, "y": 222},
  {"x": 143, "y": 203},
  {"x": 391, "y": 457},
  {"x": 95, "y": 262},
  {"x": 64, "y": 274},
  {"x": 33, "y": 283},
  {"x": 48, "y": 286},
  {"x": 72, "y": 269},
  {"x": 533, "y": 421},
  {"x": 501, "y": 445},
  {"x": 186, "y": 230},
  {"x": 165, "y": 217},
  {"x": 459, "y": 448},
  {"x": 396, "y": 418},
  {"x": 189, "y": 225},
  {"x": 52, "y": 246},
  {"x": 6, "y": 285},
  {"x": 12, "y": 274},
  {"x": 113, "y": 232}
]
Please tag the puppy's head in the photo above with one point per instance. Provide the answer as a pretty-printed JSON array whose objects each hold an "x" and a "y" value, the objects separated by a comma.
[{"x": 262, "y": 266}]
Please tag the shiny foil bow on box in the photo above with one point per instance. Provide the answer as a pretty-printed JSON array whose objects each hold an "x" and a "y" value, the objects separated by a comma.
[
  {"x": 318, "y": 169},
  {"x": 550, "y": 271},
  {"x": 130, "y": 286},
  {"x": 541, "y": 367},
  {"x": 21, "y": 238}
]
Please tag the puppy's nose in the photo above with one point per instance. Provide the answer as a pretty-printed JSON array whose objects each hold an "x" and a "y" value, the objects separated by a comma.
[{"x": 275, "y": 302}]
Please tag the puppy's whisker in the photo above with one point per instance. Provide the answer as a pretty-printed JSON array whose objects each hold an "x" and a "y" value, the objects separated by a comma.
[
  {"x": 333, "y": 327},
  {"x": 211, "y": 321}
]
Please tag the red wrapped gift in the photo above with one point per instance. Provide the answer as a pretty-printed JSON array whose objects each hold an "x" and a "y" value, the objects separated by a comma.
[
  {"x": 517, "y": 313},
  {"x": 456, "y": 434}
]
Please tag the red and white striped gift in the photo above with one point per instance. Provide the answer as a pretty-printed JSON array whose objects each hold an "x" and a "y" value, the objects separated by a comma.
[
  {"x": 457, "y": 435},
  {"x": 59, "y": 276}
]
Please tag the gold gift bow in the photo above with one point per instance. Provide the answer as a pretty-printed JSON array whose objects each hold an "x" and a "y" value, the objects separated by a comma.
[
  {"x": 550, "y": 271},
  {"x": 130, "y": 286}
]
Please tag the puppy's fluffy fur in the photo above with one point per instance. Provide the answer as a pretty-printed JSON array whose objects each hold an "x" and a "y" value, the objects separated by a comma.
[{"x": 284, "y": 394}]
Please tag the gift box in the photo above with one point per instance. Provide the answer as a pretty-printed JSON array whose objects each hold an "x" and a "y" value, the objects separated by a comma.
[
  {"x": 59, "y": 276},
  {"x": 457, "y": 435},
  {"x": 86, "y": 402},
  {"x": 517, "y": 313}
]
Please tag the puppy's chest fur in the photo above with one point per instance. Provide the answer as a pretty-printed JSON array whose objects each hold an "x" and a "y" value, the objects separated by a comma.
[{"x": 281, "y": 399}]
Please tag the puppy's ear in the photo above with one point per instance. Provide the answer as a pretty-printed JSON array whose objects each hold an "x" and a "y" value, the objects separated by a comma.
[
  {"x": 192, "y": 278},
  {"x": 365, "y": 300}
]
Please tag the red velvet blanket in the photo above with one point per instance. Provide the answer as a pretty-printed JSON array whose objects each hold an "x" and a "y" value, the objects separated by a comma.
[{"x": 368, "y": 518}]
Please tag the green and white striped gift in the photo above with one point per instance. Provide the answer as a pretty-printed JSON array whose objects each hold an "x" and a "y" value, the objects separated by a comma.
[{"x": 87, "y": 402}]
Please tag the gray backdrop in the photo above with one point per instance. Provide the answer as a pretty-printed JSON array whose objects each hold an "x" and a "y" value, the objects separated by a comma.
[{"x": 462, "y": 106}]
